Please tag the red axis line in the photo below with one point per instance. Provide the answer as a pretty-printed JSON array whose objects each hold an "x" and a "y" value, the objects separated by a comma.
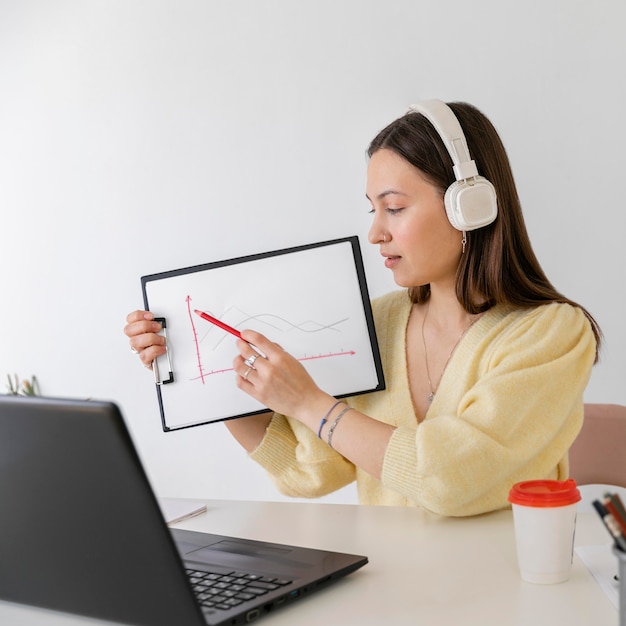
[
  {"x": 203, "y": 375},
  {"x": 327, "y": 356},
  {"x": 195, "y": 339}
]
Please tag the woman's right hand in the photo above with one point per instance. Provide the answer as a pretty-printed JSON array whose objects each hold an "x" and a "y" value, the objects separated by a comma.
[{"x": 143, "y": 333}]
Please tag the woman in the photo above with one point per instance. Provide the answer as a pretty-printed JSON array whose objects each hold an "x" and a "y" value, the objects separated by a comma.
[{"x": 485, "y": 362}]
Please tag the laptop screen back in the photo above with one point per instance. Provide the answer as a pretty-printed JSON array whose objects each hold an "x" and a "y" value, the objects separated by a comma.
[{"x": 80, "y": 529}]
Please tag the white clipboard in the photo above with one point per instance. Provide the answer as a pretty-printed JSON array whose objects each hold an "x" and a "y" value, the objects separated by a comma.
[{"x": 311, "y": 299}]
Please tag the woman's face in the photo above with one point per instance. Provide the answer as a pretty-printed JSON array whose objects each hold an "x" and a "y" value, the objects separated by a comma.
[{"x": 421, "y": 246}]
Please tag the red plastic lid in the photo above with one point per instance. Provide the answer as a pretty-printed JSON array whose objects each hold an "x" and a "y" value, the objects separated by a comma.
[{"x": 545, "y": 493}]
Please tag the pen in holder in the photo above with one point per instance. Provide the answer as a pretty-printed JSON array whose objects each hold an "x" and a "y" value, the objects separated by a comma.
[
  {"x": 613, "y": 514},
  {"x": 621, "y": 560}
]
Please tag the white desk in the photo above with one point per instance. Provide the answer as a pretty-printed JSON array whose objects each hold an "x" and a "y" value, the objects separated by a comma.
[{"x": 423, "y": 569}]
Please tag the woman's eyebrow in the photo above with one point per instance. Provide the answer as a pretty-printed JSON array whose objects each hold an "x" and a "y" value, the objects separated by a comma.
[{"x": 387, "y": 192}]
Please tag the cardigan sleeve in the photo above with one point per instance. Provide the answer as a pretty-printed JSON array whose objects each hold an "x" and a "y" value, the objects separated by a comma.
[
  {"x": 300, "y": 464},
  {"x": 510, "y": 415}
]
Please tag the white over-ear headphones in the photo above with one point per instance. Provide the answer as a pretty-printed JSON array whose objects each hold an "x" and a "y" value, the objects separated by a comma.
[{"x": 470, "y": 201}]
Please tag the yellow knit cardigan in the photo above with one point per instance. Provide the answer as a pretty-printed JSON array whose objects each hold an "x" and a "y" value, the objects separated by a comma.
[{"x": 509, "y": 405}]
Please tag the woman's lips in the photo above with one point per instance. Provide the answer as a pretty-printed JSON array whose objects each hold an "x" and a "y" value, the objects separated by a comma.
[{"x": 391, "y": 261}]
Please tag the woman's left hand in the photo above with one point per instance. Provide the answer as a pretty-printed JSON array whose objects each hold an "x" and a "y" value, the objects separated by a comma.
[{"x": 277, "y": 380}]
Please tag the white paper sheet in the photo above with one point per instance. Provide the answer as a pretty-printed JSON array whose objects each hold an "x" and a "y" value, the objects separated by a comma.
[
  {"x": 602, "y": 564},
  {"x": 175, "y": 510}
]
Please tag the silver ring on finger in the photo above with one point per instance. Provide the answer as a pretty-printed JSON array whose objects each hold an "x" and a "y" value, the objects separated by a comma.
[
  {"x": 247, "y": 373},
  {"x": 250, "y": 361},
  {"x": 134, "y": 350}
]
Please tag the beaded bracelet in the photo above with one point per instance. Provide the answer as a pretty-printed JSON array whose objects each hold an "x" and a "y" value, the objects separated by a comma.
[
  {"x": 332, "y": 428},
  {"x": 325, "y": 418}
]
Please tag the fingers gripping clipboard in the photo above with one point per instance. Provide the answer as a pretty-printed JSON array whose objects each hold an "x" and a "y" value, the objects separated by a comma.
[{"x": 312, "y": 300}]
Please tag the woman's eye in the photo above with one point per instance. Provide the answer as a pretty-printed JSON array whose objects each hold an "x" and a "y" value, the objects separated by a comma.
[{"x": 388, "y": 210}]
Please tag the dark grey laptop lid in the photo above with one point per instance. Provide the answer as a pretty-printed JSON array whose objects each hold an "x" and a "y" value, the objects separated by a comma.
[
  {"x": 65, "y": 474},
  {"x": 81, "y": 531}
]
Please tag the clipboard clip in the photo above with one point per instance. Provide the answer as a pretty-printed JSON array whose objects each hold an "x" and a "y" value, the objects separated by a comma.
[{"x": 155, "y": 365}]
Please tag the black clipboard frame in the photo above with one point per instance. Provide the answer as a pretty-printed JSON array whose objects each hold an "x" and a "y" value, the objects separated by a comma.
[{"x": 365, "y": 303}]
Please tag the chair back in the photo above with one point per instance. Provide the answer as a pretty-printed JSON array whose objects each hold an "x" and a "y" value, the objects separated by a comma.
[{"x": 598, "y": 455}]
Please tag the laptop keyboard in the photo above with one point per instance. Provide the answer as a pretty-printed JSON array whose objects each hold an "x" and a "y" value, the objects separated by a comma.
[{"x": 225, "y": 591}]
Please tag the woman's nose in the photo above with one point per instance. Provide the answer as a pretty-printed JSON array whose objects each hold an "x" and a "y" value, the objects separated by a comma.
[{"x": 375, "y": 234}]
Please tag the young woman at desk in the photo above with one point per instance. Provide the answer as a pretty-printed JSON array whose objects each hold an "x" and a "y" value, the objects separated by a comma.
[{"x": 485, "y": 362}]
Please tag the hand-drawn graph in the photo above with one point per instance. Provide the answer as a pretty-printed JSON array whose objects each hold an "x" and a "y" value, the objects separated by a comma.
[
  {"x": 311, "y": 300},
  {"x": 207, "y": 339}
]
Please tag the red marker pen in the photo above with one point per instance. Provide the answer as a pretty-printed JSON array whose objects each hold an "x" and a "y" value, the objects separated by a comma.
[{"x": 227, "y": 328}]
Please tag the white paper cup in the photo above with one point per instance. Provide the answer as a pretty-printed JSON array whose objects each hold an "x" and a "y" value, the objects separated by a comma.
[{"x": 544, "y": 516}]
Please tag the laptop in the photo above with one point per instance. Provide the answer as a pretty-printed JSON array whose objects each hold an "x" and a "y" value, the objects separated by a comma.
[{"x": 81, "y": 531}]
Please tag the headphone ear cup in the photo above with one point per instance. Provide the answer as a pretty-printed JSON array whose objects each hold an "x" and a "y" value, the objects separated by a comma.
[{"x": 471, "y": 204}]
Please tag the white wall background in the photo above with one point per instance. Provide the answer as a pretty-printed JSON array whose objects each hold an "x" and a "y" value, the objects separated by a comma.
[{"x": 139, "y": 136}]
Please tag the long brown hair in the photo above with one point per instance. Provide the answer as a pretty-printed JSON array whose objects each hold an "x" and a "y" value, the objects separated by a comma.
[{"x": 499, "y": 265}]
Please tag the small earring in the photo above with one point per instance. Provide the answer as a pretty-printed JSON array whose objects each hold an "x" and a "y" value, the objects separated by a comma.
[{"x": 464, "y": 242}]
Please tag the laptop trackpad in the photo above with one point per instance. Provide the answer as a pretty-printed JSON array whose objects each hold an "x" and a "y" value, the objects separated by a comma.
[{"x": 242, "y": 554}]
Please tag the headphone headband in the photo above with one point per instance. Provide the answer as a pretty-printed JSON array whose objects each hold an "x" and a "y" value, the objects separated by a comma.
[
  {"x": 440, "y": 115},
  {"x": 471, "y": 201}
]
